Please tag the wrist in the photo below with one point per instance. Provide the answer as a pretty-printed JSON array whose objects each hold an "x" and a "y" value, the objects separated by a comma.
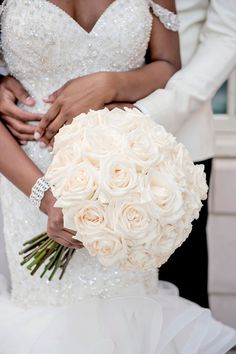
[
  {"x": 47, "y": 202},
  {"x": 110, "y": 84}
]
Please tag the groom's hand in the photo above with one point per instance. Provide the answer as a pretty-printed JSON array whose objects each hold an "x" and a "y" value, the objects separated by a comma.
[{"x": 16, "y": 119}]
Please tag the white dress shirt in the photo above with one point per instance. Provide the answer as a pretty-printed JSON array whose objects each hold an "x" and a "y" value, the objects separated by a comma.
[{"x": 208, "y": 51}]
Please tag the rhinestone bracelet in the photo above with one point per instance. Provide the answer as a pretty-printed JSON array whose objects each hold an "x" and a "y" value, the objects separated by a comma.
[{"x": 38, "y": 191}]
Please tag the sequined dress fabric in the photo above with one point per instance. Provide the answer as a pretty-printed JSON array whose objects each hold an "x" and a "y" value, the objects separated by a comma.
[{"x": 44, "y": 48}]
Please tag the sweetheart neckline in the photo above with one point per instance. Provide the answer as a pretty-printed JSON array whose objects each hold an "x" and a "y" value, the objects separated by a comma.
[{"x": 77, "y": 24}]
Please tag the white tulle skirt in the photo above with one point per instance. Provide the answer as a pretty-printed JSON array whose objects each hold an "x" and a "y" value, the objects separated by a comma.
[{"x": 164, "y": 323}]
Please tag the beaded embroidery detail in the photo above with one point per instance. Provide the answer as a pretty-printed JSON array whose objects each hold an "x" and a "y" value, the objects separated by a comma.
[{"x": 167, "y": 18}]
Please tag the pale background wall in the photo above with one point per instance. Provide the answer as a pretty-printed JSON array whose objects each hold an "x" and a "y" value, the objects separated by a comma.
[{"x": 222, "y": 219}]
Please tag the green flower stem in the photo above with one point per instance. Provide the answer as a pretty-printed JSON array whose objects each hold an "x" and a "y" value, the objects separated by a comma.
[
  {"x": 36, "y": 238},
  {"x": 39, "y": 257},
  {"x": 64, "y": 258},
  {"x": 33, "y": 245},
  {"x": 47, "y": 255},
  {"x": 52, "y": 261},
  {"x": 29, "y": 257},
  {"x": 41, "y": 249},
  {"x": 40, "y": 253},
  {"x": 57, "y": 265},
  {"x": 65, "y": 265}
]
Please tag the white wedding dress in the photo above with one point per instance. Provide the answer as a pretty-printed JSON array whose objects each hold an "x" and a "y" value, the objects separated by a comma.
[{"x": 93, "y": 310}]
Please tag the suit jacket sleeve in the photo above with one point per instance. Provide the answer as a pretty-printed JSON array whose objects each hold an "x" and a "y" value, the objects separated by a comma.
[{"x": 198, "y": 81}]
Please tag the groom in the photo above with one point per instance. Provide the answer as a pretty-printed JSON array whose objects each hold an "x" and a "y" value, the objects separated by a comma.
[
  {"x": 208, "y": 50},
  {"x": 208, "y": 45}
]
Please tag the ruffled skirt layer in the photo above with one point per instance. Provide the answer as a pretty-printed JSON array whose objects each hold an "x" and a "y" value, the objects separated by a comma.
[{"x": 157, "y": 324}]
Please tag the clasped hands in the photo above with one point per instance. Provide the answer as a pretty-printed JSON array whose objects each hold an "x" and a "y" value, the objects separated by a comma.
[
  {"x": 79, "y": 95},
  {"x": 94, "y": 91}
]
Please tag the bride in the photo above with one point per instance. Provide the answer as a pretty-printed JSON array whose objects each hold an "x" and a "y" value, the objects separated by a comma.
[{"x": 72, "y": 56}]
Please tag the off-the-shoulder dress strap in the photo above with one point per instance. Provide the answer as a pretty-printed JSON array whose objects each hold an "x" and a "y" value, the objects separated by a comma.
[
  {"x": 169, "y": 19},
  {"x": 2, "y": 6}
]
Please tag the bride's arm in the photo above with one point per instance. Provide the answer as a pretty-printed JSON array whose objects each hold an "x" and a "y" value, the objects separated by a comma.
[
  {"x": 164, "y": 61},
  {"x": 16, "y": 166},
  {"x": 96, "y": 90}
]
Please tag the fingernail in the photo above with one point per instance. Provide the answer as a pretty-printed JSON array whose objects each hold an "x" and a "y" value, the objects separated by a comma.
[
  {"x": 23, "y": 142},
  {"x": 42, "y": 145},
  {"x": 37, "y": 135},
  {"x": 29, "y": 100},
  {"x": 50, "y": 149}
]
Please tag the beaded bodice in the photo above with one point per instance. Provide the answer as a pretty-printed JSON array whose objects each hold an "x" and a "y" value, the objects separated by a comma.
[{"x": 43, "y": 48}]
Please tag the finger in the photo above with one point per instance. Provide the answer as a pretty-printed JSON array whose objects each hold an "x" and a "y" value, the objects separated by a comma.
[
  {"x": 46, "y": 120},
  {"x": 68, "y": 236},
  {"x": 22, "y": 128},
  {"x": 20, "y": 136},
  {"x": 67, "y": 241},
  {"x": 121, "y": 105},
  {"x": 52, "y": 98},
  {"x": 61, "y": 241},
  {"x": 12, "y": 110},
  {"x": 43, "y": 144},
  {"x": 71, "y": 232},
  {"x": 53, "y": 129},
  {"x": 19, "y": 91},
  {"x": 50, "y": 145}
]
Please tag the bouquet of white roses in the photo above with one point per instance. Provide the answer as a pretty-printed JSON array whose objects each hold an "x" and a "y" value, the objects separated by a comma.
[{"x": 127, "y": 188}]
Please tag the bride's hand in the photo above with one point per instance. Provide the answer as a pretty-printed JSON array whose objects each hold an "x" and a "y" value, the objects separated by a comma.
[
  {"x": 120, "y": 105},
  {"x": 56, "y": 230},
  {"x": 80, "y": 95}
]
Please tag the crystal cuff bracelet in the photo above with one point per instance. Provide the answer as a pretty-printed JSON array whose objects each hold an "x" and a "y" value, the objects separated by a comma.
[{"x": 38, "y": 191}]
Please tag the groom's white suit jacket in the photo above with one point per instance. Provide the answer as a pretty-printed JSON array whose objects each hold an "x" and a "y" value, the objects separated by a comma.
[{"x": 208, "y": 50}]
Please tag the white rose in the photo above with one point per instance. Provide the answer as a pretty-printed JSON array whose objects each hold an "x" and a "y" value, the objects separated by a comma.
[
  {"x": 118, "y": 178},
  {"x": 177, "y": 164},
  {"x": 132, "y": 220},
  {"x": 171, "y": 168},
  {"x": 140, "y": 258},
  {"x": 92, "y": 118},
  {"x": 109, "y": 248},
  {"x": 124, "y": 121},
  {"x": 80, "y": 184},
  {"x": 166, "y": 196},
  {"x": 199, "y": 181},
  {"x": 141, "y": 149},
  {"x": 68, "y": 135},
  {"x": 100, "y": 142},
  {"x": 165, "y": 141},
  {"x": 62, "y": 163},
  {"x": 183, "y": 228},
  {"x": 167, "y": 241},
  {"x": 87, "y": 218}
]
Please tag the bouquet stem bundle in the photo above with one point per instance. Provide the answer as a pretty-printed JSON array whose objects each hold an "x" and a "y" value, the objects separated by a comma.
[{"x": 41, "y": 249}]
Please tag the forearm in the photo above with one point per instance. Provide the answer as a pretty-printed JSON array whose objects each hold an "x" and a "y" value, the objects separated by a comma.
[
  {"x": 133, "y": 85},
  {"x": 15, "y": 164},
  {"x": 192, "y": 87}
]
